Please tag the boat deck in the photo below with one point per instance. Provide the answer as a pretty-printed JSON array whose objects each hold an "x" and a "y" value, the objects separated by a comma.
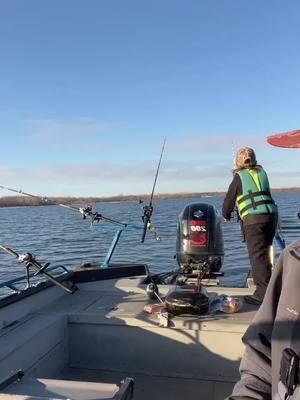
[
  {"x": 101, "y": 334},
  {"x": 156, "y": 387}
]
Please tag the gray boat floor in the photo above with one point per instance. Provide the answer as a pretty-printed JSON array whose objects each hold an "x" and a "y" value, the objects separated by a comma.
[
  {"x": 102, "y": 334},
  {"x": 155, "y": 387},
  {"x": 123, "y": 304}
]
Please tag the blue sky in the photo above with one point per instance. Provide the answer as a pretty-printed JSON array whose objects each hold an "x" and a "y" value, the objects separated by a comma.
[{"x": 89, "y": 89}]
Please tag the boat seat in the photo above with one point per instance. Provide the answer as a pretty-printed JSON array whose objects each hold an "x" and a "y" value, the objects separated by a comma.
[{"x": 36, "y": 388}]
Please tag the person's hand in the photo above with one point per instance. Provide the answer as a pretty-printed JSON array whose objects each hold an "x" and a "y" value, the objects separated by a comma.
[{"x": 227, "y": 220}]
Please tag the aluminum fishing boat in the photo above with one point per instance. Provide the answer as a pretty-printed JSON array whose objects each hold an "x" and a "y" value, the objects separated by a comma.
[
  {"x": 85, "y": 334},
  {"x": 99, "y": 342}
]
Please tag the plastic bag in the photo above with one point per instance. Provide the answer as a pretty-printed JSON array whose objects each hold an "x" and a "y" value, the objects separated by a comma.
[{"x": 225, "y": 304}]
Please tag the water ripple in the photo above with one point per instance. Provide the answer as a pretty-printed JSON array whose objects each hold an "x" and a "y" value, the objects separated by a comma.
[{"x": 60, "y": 236}]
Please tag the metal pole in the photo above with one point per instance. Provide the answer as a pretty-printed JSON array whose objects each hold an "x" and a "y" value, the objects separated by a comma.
[{"x": 111, "y": 250}]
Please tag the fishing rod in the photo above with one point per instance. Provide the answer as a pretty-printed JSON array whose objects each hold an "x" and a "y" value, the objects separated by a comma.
[
  {"x": 31, "y": 262},
  {"x": 84, "y": 211},
  {"x": 148, "y": 209}
]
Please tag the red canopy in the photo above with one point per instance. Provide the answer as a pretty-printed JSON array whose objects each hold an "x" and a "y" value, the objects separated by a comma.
[{"x": 287, "y": 139}]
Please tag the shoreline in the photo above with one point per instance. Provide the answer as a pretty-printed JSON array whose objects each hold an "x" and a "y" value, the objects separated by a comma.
[{"x": 24, "y": 201}]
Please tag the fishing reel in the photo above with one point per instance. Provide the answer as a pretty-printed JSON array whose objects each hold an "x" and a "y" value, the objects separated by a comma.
[
  {"x": 29, "y": 260},
  {"x": 26, "y": 258},
  {"x": 85, "y": 211},
  {"x": 148, "y": 210},
  {"x": 152, "y": 291},
  {"x": 88, "y": 212}
]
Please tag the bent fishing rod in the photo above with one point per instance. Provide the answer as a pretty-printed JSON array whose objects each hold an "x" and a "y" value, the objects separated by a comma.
[
  {"x": 84, "y": 211},
  {"x": 31, "y": 262},
  {"x": 148, "y": 209}
]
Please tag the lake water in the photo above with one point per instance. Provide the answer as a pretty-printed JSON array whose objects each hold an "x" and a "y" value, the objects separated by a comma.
[{"x": 60, "y": 236}]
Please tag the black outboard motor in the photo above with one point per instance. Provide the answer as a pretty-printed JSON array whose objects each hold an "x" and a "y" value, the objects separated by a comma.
[
  {"x": 199, "y": 253},
  {"x": 199, "y": 242}
]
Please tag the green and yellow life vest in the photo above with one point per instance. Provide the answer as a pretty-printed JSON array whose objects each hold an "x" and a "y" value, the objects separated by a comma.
[{"x": 256, "y": 197}]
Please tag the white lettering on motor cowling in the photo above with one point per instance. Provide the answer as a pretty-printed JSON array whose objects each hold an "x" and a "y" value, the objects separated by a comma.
[{"x": 198, "y": 228}]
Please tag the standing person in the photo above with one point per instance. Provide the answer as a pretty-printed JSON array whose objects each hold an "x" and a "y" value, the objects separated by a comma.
[
  {"x": 270, "y": 367},
  {"x": 249, "y": 191}
]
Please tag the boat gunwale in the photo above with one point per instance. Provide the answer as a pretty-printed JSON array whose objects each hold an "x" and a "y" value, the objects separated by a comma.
[{"x": 81, "y": 275}]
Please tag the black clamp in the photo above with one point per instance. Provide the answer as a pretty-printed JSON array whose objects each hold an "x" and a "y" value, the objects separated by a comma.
[{"x": 289, "y": 370}]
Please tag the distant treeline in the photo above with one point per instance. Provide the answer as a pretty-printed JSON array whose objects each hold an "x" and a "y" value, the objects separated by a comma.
[{"x": 19, "y": 201}]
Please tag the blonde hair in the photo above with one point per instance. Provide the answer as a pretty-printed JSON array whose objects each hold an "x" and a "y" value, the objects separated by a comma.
[{"x": 245, "y": 158}]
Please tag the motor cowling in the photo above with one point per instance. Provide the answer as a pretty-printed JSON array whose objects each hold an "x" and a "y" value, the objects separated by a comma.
[{"x": 199, "y": 243}]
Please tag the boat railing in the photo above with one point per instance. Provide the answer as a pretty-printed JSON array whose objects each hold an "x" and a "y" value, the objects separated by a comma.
[
  {"x": 281, "y": 232},
  {"x": 12, "y": 284},
  {"x": 280, "y": 240}
]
